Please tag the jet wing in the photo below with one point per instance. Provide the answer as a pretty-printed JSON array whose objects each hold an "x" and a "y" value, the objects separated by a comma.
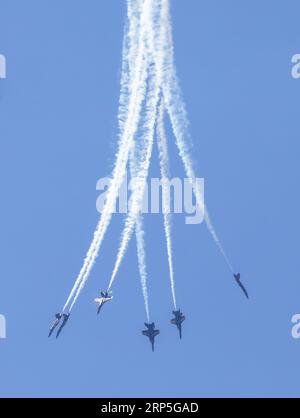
[
  {"x": 103, "y": 300},
  {"x": 156, "y": 332}
]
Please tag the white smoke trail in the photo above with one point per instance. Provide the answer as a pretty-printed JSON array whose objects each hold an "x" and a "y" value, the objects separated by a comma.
[
  {"x": 164, "y": 170},
  {"x": 125, "y": 83},
  {"x": 130, "y": 38},
  {"x": 137, "y": 94},
  {"x": 132, "y": 33},
  {"x": 140, "y": 241},
  {"x": 139, "y": 228},
  {"x": 142, "y": 40},
  {"x": 139, "y": 185},
  {"x": 156, "y": 43},
  {"x": 180, "y": 125},
  {"x": 130, "y": 127}
]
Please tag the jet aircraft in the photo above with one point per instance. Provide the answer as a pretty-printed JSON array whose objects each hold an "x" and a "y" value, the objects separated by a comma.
[
  {"x": 105, "y": 297},
  {"x": 65, "y": 318},
  {"x": 151, "y": 333},
  {"x": 238, "y": 280},
  {"x": 178, "y": 320}
]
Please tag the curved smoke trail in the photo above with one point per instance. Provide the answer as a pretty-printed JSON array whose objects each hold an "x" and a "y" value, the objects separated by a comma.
[
  {"x": 137, "y": 94},
  {"x": 147, "y": 54},
  {"x": 130, "y": 127},
  {"x": 164, "y": 170},
  {"x": 156, "y": 46},
  {"x": 130, "y": 39},
  {"x": 140, "y": 182},
  {"x": 180, "y": 125},
  {"x": 139, "y": 229}
]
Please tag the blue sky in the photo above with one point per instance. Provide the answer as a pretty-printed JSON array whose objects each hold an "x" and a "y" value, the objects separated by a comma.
[{"x": 58, "y": 125}]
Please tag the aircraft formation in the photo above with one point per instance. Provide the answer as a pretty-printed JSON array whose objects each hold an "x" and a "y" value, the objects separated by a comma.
[
  {"x": 149, "y": 94},
  {"x": 151, "y": 332}
]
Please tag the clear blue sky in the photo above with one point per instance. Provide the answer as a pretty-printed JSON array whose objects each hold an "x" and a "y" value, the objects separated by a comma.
[{"x": 58, "y": 135}]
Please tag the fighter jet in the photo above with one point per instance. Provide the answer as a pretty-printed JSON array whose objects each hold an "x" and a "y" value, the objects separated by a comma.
[
  {"x": 238, "y": 280},
  {"x": 151, "y": 333},
  {"x": 178, "y": 320},
  {"x": 105, "y": 297},
  {"x": 58, "y": 317},
  {"x": 65, "y": 318}
]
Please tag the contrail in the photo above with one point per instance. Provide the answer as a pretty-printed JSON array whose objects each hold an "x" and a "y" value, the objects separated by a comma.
[
  {"x": 156, "y": 46},
  {"x": 131, "y": 36},
  {"x": 140, "y": 241},
  {"x": 165, "y": 176},
  {"x": 130, "y": 39},
  {"x": 180, "y": 125},
  {"x": 137, "y": 89},
  {"x": 139, "y": 228},
  {"x": 132, "y": 33},
  {"x": 148, "y": 79},
  {"x": 140, "y": 182}
]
